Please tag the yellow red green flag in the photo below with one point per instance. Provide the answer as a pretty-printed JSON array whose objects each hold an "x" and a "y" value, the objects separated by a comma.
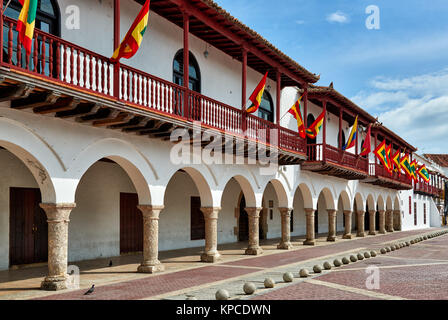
[
  {"x": 257, "y": 95},
  {"x": 295, "y": 111},
  {"x": 26, "y": 23}
]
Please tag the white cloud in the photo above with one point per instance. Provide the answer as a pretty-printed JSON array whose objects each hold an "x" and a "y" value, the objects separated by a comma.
[
  {"x": 416, "y": 108},
  {"x": 300, "y": 21},
  {"x": 338, "y": 17}
]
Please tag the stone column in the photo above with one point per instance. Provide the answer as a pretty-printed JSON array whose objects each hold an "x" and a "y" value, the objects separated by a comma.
[
  {"x": 397, "y": 214},
  {"x": 348, "y": 224},
  {"x": 382, "y": 221},
  {"x": 389, "y": 221},
  {"x": 310, "y": 235},
  {"x": 211, "y": 253},
  {"x": 372, "y": 227},
  {"x": 58, "y": 219},
  {"x": 151, "y": 263},
  {"x": 360, "y": 231},
  {"x": 331, "y": 225},
  {"x": 254, "y": 237},
  {"x": 285, "y": 243}
]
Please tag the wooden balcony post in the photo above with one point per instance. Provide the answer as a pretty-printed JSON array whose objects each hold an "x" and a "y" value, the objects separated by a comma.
[
  {"x": 243, "y": 92},
  {"x": 186, "y": 63},
  {"x": 279, "y": 96},
  {"x": 324, "y": 137},
  {"x": 116, "y": 44},
  {"x": 305, "y": 107}
]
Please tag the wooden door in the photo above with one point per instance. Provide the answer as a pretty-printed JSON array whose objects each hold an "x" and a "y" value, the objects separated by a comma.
[
  {"x": 243, "y": 222},
  {"x": 131, "y": 224},
  {"x": 197, "y": 226},
  {"x": 28, "y": 237}
]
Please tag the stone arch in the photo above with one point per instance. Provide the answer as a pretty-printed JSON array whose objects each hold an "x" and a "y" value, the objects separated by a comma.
[
  {"x": 346, "y": 203},
  {"x": 397, "y": 204},
  {"x": 35, "y": 153},
  {"x": 359, "y": 200},
  {"x": 280, "y": 192},
  {"x": 247, "y": 189},
  {"x": 203, "y": 187},
  {"x": 131, "y": 160},
  {"x": 305, "y": 191},
  {"x": 328, "y": 197},
  {"x": 389, "y": 203},
  {"x": 370, "y": 202},
  {"x": 380, "y": 203}
]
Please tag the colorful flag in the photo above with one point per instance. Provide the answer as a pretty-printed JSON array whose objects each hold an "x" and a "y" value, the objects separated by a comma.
[
  {"x": 406, "y": 166},
  {"x": 257, "y": 95},
  {"x": 423, "y": 173},
  {"x": 367, "y": 146},
  {"x": 295, "y": 111},
  {"x": 396, "y": 161},
  {"x": 26, "y": 23},
  {"x": 414, "y": 166},
  {"x": 315, "y": 128},
  {"x": 381, "y": 153},
  {"x": 389, "y": 159},
  {"x": 352, "y": 138},
  {"x": 133, "y": 39}
]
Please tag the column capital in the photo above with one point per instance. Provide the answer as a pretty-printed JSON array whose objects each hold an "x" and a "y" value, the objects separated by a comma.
[
  {"x": 388, "y": 211},
  {"x": 309, "y": 211},
  {"x": 58, "y": 212},
  {"x": 253, "y": 212},
  {"x": 151, "y": 212},
  {"x": 347, "y": 212},
  {"x": 211, "y": 212},
  {"x": 372, "y": 212},
  {"x": 396, "y": 211},
  {"x": 331, "y": 210},
  {"x": 382, "y": 211},
  {"x": 285, "y": 211},
  {"x": 360, "y": 212}
]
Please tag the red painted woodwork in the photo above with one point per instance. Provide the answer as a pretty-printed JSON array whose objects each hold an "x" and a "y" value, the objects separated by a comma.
[
  {"x": 319, "y": 152},
  {"x": 131, "y": 224},
  {"x": 28, "y": 235},
  {"x": 377, "y": 170}
]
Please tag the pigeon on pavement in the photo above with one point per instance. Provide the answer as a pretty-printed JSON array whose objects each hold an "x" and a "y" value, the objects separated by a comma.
[{"x": 90, "y": 291}]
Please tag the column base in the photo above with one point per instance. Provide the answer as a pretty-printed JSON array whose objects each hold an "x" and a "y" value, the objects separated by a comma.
[
  {"x": 361, "y": 235},
  {"x": 331, "y": 239},
  {"x": 151, "y": 267},
  {"x": 210, "y": 257},
  {"x": 383, "y": 232},
  {"x": 372, "y": 233},
  {"x": 54, "y": 284},
  {"x": 390, "y": 231},
  {"x": 285, "y": 246},
  {"x": 347, "y": 236},
  {"x": 309, "y": 242},
  {"x": 254, "y": 251}
]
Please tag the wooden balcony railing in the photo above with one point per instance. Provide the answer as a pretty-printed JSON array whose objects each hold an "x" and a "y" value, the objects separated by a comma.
[
  {"x": 376, "y": 170},
  {"x": 58, "y": 61},
  {"x": 428, "y": 189},
  {"x": 327, "y": 153}
]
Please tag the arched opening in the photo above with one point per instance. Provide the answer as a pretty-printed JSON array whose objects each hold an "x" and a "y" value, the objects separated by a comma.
[
  {"x": 343, "y": 204},
  {"x": 23, "y": 224},
  {"x": 309, "y": 121},
  {"x": 47, "y": 19},
  {"x": 266, "y": 110},
  {"x": 194, "y": 71},
  {"x": 106, "y": 221},
  {"x": 325, "y": 202},
  {"x": 302, "y": 200},
  {"x": 243, "y": 221}
]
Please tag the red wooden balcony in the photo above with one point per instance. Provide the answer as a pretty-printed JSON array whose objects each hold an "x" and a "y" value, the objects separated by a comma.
[
  {"x": 381, "y": 177},
  {"x": 69, "y": 81},
  {"x": 426, "y": 189},
  {"x": 329, "y": 160}
]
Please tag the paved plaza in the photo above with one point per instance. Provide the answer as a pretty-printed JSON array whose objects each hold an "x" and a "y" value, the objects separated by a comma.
[{"x": 416, "y": 272}]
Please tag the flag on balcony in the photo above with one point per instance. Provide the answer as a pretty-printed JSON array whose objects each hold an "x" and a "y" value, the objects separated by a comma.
[
  {"x": 367, "y": 146},
  {"x": 295, "y": 111},
  {"x": 414, "y": 170},
  {"x": 26, "y": 23},
  {"x": 315, "y": 128},
  {"x": 396, "y": 161},
  {"x": 133, "y": 39},
  {"x": 257, "y": 95},
  {"x": 406, "y": 165},
  {"x": 382, "y": 154},
  {"x": 352, "y": 137},
  {"x": 423, "y": 173}
]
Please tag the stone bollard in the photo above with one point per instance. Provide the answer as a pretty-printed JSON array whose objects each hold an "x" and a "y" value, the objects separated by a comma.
[
  {"x": 345, "y": 260},
  {"x": 303, "y": 273},
  {"x": 249, "y": 288},
  {"x": 288, "y": 277},
  {"x": 327, "y": 265},
  {"x": 269, "y": 283},
  {"x": 317, "y": 269},
  {"x": 337, "y": 263},
  {"x": 222, "y": 294}
]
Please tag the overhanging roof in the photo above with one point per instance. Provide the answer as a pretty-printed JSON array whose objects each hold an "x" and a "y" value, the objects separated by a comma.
[{"x": 216, "y": 26}]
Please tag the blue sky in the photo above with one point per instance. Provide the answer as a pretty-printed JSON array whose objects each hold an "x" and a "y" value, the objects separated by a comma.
[{"x": 399, "y": 72}]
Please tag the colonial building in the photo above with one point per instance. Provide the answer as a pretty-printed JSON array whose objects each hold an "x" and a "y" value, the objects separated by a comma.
[{"x": 90, "y": 169}]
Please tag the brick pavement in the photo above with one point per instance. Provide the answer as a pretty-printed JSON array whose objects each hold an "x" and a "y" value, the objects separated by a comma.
[{"x": 153, "y": 286}]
